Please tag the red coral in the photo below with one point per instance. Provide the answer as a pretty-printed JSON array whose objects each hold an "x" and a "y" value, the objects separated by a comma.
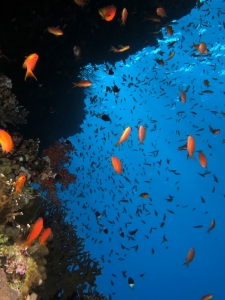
[{"x": 60, "y": 159}]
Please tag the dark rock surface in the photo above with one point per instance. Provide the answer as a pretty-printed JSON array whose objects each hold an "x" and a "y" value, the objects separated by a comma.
[{"x": 22, "y": 32}]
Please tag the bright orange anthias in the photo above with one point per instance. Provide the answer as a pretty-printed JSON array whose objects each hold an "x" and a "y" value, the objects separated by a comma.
[
  {"x": 117, "y": 165},
  {"x": 107, "y": 13},
  {"x": 124, "y": 16},
  {"x": 190, "y": 146},
  {"x": 183, "y": 97},
  {"x": 6, "y": 141},
  {"x": 202, "y": 159},
  {"x": 30, "y": 63},
  {"x": 189, "y": 257},
  {"x": 46, "y": 233},
  {"x": 20, "y": 183},
  {"x": 37, "y": 228},
  {"x": 202, "y": 48},
  {"x": 144, "y": 195},
  {"x": 83, "y": 83},
  {"x": 121, "y": 49},
  {"x": 55, "y": 31},
  {"x": 141, "y": 134},
  {"x": 161, "y": 12},
  {"x": 124, "y": 136}
]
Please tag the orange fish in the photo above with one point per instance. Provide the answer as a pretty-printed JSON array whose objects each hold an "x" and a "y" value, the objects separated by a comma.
[
  {"x": 80, "y": 3},
  {"x": 46, "y": 233},
  {"x": 183, "y": 97},
  {"x": 83, "y": 83},
  {"x": 212, "y": 225},
  {"x": 169, "y": 30},
  {"x": 117, "y": 165},
  {"x": 6, "y": 141},
  {"x": 121, "y": 49},
  {"x": 107, "y": 13},
  {"x": 160, "y": 62},
  {"x": 19, "y": 183},
  {"x": 190, "y": 146},
  {"x": 30, "y": 63},
  {"x": 144, "y": 195},
  {"x": 124, "y": 136},
  {"x": 202, "y": 48},
  {"x": 189, "y": 257},
  {"x": 37, "y": 228},
  {"x": 161, "y": 12},
  {"x": 214, "y": 131},
  {"x": 207, "y": 297},
  {"x": 202, "y": 159},
  {"x": 55, "y": 31},
  {"x": 141, "y": 134},
  {"x": 124, "y": 16}
]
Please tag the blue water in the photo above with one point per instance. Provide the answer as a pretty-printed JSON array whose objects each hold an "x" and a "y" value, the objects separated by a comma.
[{"x": 100, "y": 188}]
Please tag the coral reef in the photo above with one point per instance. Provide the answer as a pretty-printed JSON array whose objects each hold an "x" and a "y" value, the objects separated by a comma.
[
  {"x": 24, "y": 268},
  {"x": 6, "y": 292},
  {"x": 29, "y": 272},
  {"x": 10, "y": 112},
  {"x": 67, "y": 256},
  {"x": 59, "y": 158}
]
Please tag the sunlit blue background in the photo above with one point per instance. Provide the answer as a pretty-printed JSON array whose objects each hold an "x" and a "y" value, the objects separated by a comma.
[{"x": 99, "y": 188}]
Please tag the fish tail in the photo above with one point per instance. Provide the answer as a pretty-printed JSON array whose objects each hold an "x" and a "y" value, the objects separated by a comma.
[
  {"x": 75, "y": 84},
  {"x": 29, "y": 73},
  {"x": 191, "y": 156}
]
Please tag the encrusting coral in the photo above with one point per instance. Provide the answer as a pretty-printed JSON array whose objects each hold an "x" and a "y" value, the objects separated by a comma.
[{"x": 10, "y": 112}]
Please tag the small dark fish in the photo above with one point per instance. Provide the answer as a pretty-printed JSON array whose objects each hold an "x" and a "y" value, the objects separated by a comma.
[
  {"x": 198, "y": 226},
  {"x": 109, "y": 71},
  {"x": 141, "y": 275},
  {"x": 105, "y": 118},
  {"x": 115, "y": 89},
  {"x": 105, "y": 230},
  {"x": 131, "y": 282},
  {"x": 124, "y": 274},
  {"x": 133, "y": 232},
  {"x": 215, "y": 178},
  {"x": 153, "y": 251},
  {"x": 170, "y": 211}
]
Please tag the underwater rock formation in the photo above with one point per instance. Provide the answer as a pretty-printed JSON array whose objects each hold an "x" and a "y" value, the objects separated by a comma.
[{"x": 10, "y": 112}]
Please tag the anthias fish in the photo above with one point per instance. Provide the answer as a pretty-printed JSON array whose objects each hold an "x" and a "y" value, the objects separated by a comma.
[
  {"x": 36, "y": 230},
  {"x": 29, "y": 64},
  {"x": 6, "y": 141}
]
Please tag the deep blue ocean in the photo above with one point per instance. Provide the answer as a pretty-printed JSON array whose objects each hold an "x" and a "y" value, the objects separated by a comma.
[{"x": 150, "y": 96}]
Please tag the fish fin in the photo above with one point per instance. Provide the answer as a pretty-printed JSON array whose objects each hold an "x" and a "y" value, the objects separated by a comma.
[
  {"x": 29, "y": 73},
  {"x": 190, "y": 156}
]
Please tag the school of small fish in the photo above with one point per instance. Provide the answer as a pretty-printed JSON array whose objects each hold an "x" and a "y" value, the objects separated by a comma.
[{"x": 120, "y": 151}]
